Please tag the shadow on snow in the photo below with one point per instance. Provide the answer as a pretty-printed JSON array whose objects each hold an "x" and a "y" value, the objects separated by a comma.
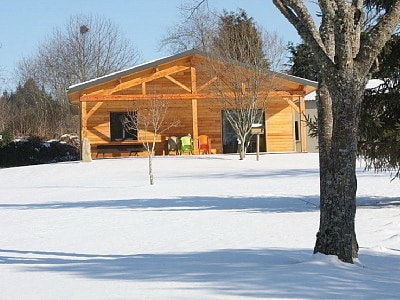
[
  {"x": 281, "y": 273},
  {"x": 200, "y": 203},
  {"x": 192, "y": 203}
]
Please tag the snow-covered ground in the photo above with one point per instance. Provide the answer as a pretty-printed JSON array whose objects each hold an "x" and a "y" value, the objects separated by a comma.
[{"x": 212, "y": 227}]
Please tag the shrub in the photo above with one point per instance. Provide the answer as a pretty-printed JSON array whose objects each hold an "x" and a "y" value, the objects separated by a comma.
[
  {"x": 34, "y": 151},
  {"x": 6, "y": 137}
]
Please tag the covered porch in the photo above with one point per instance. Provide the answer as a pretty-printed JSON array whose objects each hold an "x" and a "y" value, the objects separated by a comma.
[{"x": 179, "y": 80}]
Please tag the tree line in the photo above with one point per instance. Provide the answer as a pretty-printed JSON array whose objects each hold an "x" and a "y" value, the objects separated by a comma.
[{"x": 87, "y": 47}]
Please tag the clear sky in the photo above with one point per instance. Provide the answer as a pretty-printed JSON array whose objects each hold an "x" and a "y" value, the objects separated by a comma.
[{"x": 25, "y": 24}]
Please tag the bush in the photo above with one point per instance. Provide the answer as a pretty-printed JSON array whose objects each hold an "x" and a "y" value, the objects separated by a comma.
[
  {"x": 34, "y": 151},
  {"x": 6, "y": 138}
]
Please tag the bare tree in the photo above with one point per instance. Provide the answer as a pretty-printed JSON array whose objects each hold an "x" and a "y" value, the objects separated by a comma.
[
  {"x": 88, "y": 47},
  {"x": 195, "y": 29},
  {"x": 241, "y": 58},
  {"x": 344, "y": 58},
  {"x": 4, "y": 114},
  {"x": 247, "y": 54},
  {"x": 149, "y": 121}
]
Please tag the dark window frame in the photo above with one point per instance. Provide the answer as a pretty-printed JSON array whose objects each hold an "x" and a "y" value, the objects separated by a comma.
[
  {"x": 117, "y": 130},
  {"x": 297, "y": 131}
]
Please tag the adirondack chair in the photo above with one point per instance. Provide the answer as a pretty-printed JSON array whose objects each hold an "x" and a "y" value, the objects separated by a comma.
[
  {"x": 173, "y": 145},
  {"x": 204, "y": 143},
  {"x": 186, "y": 144}
]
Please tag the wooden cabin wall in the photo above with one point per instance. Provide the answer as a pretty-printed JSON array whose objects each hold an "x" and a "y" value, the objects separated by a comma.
[
  {"x": 280, "y": 134},
  {"x": 279, "y": 122},
  {"x": 209, "y": 122},
  {"x": 98, "y": 125}
]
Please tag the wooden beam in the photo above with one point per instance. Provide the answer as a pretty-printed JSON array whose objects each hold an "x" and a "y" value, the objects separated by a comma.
[
  {"x": 178, "y": 83},
  {"x": 144, "y": 91},
  {"x": 293, "y": 105},
  {"x": 83, "y": 120},
  {"x": 93, "y": 110},
  {"x": 186, "y": 96},
  {"x": 134, "y": 82},
  {"x": 243, "y": 88},
  {"x": 202, "y": 87},
  {"x": 193, "y": 80},
  {"x": 96, "y": 98}
]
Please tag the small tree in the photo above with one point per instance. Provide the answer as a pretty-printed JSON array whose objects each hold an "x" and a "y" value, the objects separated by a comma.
[
  {"x": 241, "y": 58},
  {"x": 246, "y": 53},
  {"x": 149, "y": 121}
]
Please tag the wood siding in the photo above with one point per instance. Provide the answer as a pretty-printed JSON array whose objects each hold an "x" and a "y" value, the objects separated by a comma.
[{"x": 280, "y": 133}]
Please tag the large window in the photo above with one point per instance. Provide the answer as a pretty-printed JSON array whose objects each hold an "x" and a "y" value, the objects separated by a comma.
[
  {"x": 229, "y": 136},
  {"x": 118, "y": 131}
]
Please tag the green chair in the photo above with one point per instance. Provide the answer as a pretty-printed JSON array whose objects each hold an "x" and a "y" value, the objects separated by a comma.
[{"x": 186, "y": 144}]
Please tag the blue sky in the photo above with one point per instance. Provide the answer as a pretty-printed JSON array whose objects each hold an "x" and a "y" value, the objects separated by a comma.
[{"x": 25, "y": 24}]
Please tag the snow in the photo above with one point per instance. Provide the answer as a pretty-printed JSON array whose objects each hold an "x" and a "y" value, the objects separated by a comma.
[
  {"x": 117, "y": 72},
  {"x": 371, "y": 84},
  {"x": 212, "y": 227},
  {"x": 374, "y": 83}
]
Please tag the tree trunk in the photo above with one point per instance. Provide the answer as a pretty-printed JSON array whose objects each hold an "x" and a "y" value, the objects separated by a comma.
[
  {"x": 344, "y": 60},
  {"x": 150, "y": 150},
  {"x": 151, "y": 176},
  {"x": 338, "y": 129},
  {"x": 242, "y": 148}
]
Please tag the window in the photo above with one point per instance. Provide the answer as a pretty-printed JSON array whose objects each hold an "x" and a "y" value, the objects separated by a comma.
[
  {"x": 229, "y": 136},
  {"x": 117, "y": 130}
]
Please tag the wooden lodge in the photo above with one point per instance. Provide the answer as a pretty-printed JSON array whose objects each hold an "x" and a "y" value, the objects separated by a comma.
[{"x": 179, "y": 80}]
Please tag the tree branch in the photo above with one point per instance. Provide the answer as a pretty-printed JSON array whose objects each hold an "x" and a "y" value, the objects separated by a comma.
[
  {"x": 297, "y": 14},
  {"x": 377, "y": 37},
  {"x": 327, "y": 30}
]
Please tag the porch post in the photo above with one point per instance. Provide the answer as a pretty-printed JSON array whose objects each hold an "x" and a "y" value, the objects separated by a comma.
[
  {"x": 83, "y": 120},
  {"x": 303, "y": 125},
  {"x": 83, "y": 124},
  {"x": 194, "y": 109}
]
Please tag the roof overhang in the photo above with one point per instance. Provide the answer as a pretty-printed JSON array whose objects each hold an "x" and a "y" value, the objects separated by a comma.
[{"x": 77, "y": 90}]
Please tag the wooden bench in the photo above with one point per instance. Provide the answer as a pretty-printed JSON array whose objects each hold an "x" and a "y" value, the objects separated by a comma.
[{"x": 118, "y": 149}]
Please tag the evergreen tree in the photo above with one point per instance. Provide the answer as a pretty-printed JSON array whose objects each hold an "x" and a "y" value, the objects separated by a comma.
[
  {"x": 379, "y": 128},
  {"x": 239, "y": 42},
  {"x": 32, "y": 111},
  {"x": 239, "y": 39},
  {"x": 379, "y": 140},
  {"x": 302, "y": 62}
]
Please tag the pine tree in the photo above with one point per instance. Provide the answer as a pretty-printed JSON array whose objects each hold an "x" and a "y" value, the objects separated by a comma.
[
  {"x": 302, "y": 61},
  {"x": 379, "y": 140},
  {"x": 379, "y": 128},
  {"x": 239, "y": 38}
]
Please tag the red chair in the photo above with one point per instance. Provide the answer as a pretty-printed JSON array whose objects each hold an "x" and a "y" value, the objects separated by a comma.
[{"x": 204, "y": 143}]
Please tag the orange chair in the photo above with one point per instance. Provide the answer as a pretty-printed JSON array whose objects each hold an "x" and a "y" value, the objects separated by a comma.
[{"x": 204, "y": 144}]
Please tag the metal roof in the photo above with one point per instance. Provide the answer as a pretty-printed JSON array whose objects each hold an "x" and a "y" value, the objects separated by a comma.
[{"x": 155, "y": 63}]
